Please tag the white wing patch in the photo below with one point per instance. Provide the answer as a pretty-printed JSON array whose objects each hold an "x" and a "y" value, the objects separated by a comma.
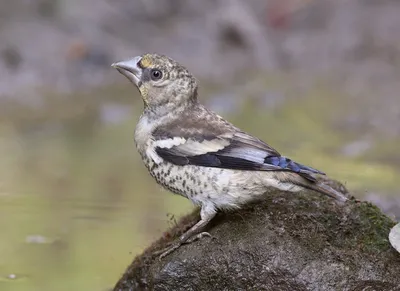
[
  {"x": 164, "y": 143},
  {"x": 188, "y": 147},
  {"x": 169, "y": 143},
  {"x": 194, "y": 148}
]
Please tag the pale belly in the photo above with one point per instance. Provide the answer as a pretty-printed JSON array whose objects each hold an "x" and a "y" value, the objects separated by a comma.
[{"x": 223, "y": 188}]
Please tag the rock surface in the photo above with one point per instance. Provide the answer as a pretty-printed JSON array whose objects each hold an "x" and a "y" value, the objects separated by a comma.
[{"x": 284, "y": 242}]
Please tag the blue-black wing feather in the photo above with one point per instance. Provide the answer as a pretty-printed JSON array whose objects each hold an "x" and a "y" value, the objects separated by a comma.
[{"x": 244, "y": 152}]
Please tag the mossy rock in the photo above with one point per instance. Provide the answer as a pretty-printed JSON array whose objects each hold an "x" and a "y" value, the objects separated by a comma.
[{"x": 285, "y": 241}]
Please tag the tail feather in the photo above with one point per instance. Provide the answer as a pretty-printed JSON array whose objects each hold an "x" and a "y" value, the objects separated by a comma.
[
  {"x": 325, "y": 189},
  {"x": 309, "y": 180}
]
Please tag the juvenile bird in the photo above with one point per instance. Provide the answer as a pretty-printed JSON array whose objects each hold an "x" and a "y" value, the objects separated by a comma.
[{"x": 195, "y": 153}]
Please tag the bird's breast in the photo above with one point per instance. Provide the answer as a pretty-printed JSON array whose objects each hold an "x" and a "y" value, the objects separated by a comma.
[{"x": 143, "y": 132}]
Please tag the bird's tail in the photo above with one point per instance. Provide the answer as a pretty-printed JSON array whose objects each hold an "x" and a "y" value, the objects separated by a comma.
[
  {"x": 308, "y": 181},
  {"x": 327, "y": 190}
]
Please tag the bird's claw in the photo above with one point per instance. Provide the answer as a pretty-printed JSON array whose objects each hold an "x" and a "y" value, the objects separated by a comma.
[
  {"x": 198, "y": 236},
  {"x": 166, "y": 251}
]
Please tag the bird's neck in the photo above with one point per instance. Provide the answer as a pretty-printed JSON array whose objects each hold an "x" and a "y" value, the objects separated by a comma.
[
  {"x": 168, "y": 109},
  {"x": 175, "y": 103}
]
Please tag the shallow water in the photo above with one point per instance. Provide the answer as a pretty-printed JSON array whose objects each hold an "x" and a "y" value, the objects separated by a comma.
[{"x": 74, "y": 215}]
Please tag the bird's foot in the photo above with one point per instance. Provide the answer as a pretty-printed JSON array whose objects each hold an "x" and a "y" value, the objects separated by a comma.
[
  {"x": 166, "y": 251},
  {"x": 198, "y": 236}
]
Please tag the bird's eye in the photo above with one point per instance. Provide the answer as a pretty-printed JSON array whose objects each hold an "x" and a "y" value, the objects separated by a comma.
[{"x": 156, "y": 75}]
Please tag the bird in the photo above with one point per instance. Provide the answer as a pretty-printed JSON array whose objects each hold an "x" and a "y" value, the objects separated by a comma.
[{"x": 193, "y": 152}]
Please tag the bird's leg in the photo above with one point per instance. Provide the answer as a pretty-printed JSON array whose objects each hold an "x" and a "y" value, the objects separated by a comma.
[{"x": 194, "y": 233}]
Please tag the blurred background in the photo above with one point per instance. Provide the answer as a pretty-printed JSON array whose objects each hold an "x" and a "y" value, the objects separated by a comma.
[{"x": 318, "y": 80}]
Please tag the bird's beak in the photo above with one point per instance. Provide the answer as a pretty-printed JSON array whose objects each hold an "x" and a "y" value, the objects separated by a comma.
[{"x": 130, "y": 70}]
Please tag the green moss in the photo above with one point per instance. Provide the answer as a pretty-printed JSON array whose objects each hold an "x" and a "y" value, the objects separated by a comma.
[{"x": 375, "y": 227}]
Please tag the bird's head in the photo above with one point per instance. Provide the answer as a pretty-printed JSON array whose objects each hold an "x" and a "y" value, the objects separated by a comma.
[{"x": 162, "y": 82}]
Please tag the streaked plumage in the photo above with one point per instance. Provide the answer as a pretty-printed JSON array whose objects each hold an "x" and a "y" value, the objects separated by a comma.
[{"x": 193, "y": 152}]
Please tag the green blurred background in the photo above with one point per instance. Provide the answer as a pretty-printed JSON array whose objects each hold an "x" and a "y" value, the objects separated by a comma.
[{"x": 318, "y": 80}]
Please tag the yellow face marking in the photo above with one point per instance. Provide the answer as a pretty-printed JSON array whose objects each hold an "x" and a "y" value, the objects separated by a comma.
[
  {"x": 143, "y": 91},
  {"x": 146, "y": 61}
]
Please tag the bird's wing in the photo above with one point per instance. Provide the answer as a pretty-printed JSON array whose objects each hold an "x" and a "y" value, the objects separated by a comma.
[{"x": 222, "y": 146}]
